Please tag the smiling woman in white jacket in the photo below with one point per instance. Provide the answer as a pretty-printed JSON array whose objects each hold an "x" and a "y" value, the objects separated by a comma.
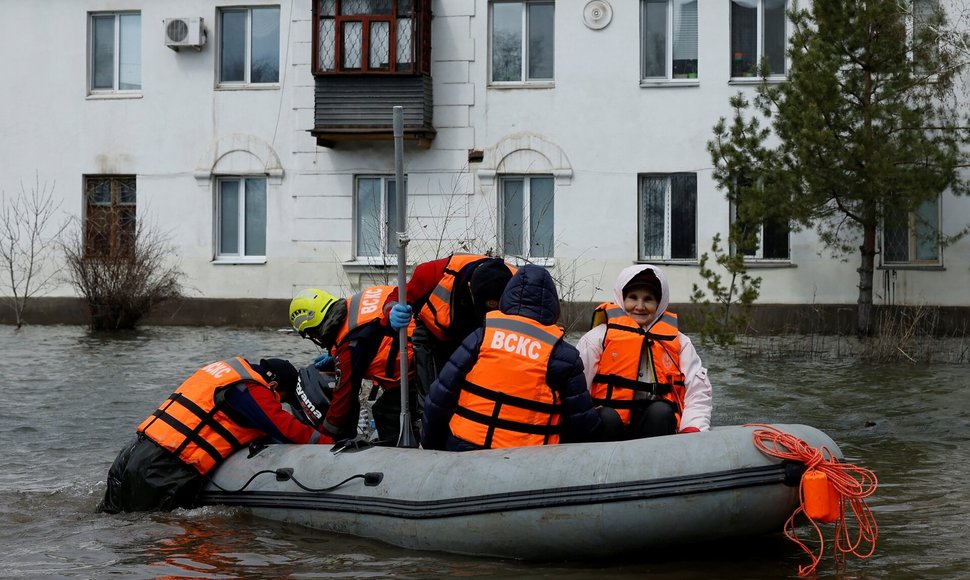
[{"x": 647, "y": 361}]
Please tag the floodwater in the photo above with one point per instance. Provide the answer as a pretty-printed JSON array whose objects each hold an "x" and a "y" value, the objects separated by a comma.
[{"x": 69, "y": 400}]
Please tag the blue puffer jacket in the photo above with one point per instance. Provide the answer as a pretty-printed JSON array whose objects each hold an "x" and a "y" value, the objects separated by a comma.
[{"x": 530, "y": 293}]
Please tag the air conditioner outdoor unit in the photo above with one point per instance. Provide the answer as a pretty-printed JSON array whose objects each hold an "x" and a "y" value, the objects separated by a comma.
[{"x": 185, "y": 33}]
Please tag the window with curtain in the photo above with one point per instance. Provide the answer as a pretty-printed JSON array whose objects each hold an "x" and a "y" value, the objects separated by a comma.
[
  {"x": 669, "y": 39},
  {"x": 759, "y": 29},
  {"x": 526, "y": 211},
  {"x": 241, "y": 217},
  {"x": 375, "y": 216},
  {"x": 912, "y": 237},
  {"x": 366, "y": 36},
  {"x": 249, "y": 45},
  {"x": 521, "y": 40},
  {"x": 114, "y": 52},
  {"x": 668, "y": 216}
]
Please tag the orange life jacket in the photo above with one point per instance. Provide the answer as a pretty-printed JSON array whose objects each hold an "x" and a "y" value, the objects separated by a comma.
[
  {"x": 505, "y": 400},
  {"x": 366, "y": 307},
  {"x": 436, "y": 314},
  {"x": 195, "y": 424},
  {"x": 616, "y": 382}
]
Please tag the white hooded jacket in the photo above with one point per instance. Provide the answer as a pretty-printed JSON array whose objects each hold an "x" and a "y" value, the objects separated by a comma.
[{"x": 697, "y": 398}]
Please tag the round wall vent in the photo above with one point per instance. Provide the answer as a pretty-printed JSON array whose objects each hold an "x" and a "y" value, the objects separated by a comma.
[{"x": 597, "y": 14}]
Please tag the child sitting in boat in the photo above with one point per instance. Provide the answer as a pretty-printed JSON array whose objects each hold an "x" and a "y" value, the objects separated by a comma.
[
  {"x": 640, "y": 368},
  {"x": 515, "y": 382}
]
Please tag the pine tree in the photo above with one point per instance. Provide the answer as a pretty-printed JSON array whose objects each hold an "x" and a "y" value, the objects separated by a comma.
[{"x": 867, "y": 126}]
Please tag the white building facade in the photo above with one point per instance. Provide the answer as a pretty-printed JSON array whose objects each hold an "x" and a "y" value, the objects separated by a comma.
[{"x": 571, "y": 134}]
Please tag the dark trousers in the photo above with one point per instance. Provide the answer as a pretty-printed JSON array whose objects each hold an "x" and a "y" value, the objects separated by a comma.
[
  {"x": 387, "y": 415},
  {"x": 146, "y": 477},
  {"x": 430, "y": 356},
  {"x": 655, "y": 420}
]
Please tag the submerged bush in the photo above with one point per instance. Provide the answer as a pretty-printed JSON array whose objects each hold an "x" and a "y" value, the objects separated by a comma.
[{"x": 122, "y": 281}]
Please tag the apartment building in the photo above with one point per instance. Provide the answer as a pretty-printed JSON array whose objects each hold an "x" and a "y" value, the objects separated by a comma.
[{"x": 567, "y": 133}]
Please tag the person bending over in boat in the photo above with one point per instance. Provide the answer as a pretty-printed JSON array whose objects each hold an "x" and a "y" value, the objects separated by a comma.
[
  {"x": 451, "y": 296},
  {"x": 514, "y": 382},
  {"x": 220, "y": 409},
  {"x": 644, "y": 372},
  {"x": 359, "y": 343}
]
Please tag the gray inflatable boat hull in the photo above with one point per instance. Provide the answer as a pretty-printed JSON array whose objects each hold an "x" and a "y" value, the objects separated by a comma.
[{"x": 555, "y": 502}]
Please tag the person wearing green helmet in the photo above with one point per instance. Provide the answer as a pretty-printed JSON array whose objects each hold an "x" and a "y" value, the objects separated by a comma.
[{"x": 358, "y": 343}]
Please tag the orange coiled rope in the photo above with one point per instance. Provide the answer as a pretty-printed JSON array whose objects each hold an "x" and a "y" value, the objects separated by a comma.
[{"x": 852, "y": 485}]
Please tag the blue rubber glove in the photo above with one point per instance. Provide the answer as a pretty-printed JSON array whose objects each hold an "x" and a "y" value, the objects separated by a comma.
[
  {"x": 322, "y": 361},
  {"x": 400, "y": 316}
]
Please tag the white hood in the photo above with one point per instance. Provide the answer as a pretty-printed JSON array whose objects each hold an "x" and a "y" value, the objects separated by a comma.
[{"x": 628, "y": 274}]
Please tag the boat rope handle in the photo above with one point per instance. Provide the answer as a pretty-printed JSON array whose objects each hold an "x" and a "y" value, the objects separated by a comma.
[
  {"x": 371, "y": 478},
  {"x": 828, "y": 491}
]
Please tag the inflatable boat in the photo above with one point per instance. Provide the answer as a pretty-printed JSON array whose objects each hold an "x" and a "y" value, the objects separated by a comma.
[{"x": 571, "y": 501}]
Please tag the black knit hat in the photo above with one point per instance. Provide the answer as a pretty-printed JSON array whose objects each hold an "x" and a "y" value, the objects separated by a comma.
[
  {"x": 645, "y": 279},
  {"x": 489, "y": 280},
  {"x": 279, "y": 370}
]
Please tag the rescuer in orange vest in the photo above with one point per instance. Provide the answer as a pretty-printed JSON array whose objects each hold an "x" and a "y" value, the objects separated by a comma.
[
  {"x": 359, "y": 343},
  {"x": 640, "y": 368},
  {"x": 220, "y": 409},
  {"x": 514, "y": 382},
  {"x": 451, "y": 297}
]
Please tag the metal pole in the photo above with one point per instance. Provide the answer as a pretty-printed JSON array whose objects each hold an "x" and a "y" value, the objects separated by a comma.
[{"x": 406, "y": 438}]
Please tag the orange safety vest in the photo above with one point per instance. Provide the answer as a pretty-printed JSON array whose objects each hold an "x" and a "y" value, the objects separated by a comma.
[
  {"x": 505, "y": 400},
  {"x": 364, "y": 308},
  {"x": 194, "y": 424},
  {"x": 616, "y": 382},
  {"x": 436, "y": 314}
]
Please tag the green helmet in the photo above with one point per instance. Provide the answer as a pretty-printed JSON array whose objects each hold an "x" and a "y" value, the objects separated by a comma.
[{"x": 308, "y": 308}]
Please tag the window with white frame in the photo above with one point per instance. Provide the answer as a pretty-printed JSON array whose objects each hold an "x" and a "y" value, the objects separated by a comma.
[
  {"x": 912, "y": 238},
  {"x": 758, "y": 31},
  {"x": 669, "y": 39},
  {"x": 924, "y": 35},
  {"x": 249, "y": 45},
  {"x": 771, "y": 235},
  {"x": 526, "y": 211},
  {"x": 522, "y": 47},
  {"x": 668, "y": 216},
  {"x": 241, "y": 218},
  {"x": 375, "y": 217},
  {"x": 114, "y": 52}
]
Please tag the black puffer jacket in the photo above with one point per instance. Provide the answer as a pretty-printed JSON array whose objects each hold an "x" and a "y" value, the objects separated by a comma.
[{"x": 531, "y": 293}]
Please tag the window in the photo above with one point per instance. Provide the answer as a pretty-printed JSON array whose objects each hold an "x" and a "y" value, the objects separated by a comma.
[
  {"x": 668, "y": 217},
  {"x": 249, "y": 45},
  {"x": 924, "y": 35},
  {"x": 758, "y": 30},
  {"x": 115, "y": 52},
  {"x": 912, "y": 238},
  {"x": 241, "y": 217},
  {"x": 361, "y": 36},
  {"x": 527, "y": 200},
  {"x": 375, "y": 219},
  {"x": 771, "y": 235},
  {"x": 522, "y": 41},
  {"x": 109, "y": 218},
  {"x": 669, "y": 39}
]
